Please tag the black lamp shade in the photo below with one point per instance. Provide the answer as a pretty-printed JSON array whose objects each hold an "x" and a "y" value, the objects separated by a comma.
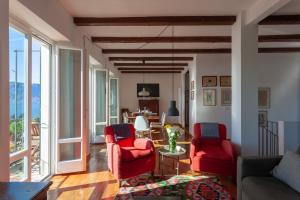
[{"x": 173, "y": 111}]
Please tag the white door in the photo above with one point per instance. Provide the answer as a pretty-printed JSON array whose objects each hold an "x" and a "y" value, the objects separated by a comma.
[
  {"x": 100, "y": 105},
  {"x": 113, "y": 101},
  {"x": 70, "y": 155}
]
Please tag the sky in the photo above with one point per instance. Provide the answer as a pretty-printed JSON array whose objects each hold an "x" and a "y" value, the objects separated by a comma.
[{"x": 18, "y": 41}]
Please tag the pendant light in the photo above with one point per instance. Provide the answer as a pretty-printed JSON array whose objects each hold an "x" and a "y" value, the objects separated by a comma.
[
  {"x": 173, "y": 111},
  {"x": 144, "y": 92}
]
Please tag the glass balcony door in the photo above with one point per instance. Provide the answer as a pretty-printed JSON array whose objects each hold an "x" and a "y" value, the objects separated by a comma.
[
  {"x": 70, "y": 147},
  {"x": 99, "y": 105},
  {"x": 113, "y": 101},
  {"x": 19, "y": 106}
]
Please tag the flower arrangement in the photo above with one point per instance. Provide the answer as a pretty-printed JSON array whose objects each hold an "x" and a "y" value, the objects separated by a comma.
[{"x": 173, "y": 133}]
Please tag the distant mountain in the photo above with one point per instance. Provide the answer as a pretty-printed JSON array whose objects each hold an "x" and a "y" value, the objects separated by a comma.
[{"x": 36, "y": 99}]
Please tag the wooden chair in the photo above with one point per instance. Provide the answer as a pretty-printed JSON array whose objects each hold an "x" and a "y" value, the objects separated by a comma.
[{"x": 159, "y": 125}]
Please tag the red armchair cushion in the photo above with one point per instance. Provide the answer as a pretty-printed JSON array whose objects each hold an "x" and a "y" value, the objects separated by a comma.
[
  {"x": 213, "y": 152},
  {"x": 132, "y": 153}
]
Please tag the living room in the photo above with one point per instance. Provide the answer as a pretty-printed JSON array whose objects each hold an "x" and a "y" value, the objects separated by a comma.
[{"x": 149, "y": 99}]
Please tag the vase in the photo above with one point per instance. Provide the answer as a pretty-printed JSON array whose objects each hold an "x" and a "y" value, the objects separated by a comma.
[{"x": 172, "y": 145}]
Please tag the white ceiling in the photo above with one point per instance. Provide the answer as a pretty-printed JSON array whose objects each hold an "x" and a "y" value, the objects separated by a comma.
[{"x": 144, "y": 8}]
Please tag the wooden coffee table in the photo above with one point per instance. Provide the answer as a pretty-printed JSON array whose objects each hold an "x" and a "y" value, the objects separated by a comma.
[{"x": 164, "y": 152}]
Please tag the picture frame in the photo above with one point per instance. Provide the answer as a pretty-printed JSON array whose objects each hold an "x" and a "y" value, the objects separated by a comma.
[
  {"x": 225, "y": 81},
  {"x": 192, "y": 85},
  {"x": 264, "y": 97},
  {"x": 209, "y": 97},
  {"x": 192, "y": 95},
  {"x": 226, "y": 97},
  {"x": 262, "y": 118},
  {"x": 209, "y": 81}
]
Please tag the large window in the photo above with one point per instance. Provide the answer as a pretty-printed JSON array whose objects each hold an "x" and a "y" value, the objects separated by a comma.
[{"x": 113, "y": 101}]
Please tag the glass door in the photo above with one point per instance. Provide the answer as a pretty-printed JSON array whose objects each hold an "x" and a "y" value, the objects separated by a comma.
[
  {"x": 113, "y": 101},
  {"x": 19, "y": 107},
  {"x": 70, "y": 151},
  {"x": 100, "y": 105},
  {"x": 40, "y": 117}
]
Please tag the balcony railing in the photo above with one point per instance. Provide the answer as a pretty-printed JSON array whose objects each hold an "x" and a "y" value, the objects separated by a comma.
[{"x": 268, "y": 139}]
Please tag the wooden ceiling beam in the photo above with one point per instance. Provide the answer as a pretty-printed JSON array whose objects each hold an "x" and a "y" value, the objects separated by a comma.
[
  {"x": 279, "y": 38},
  {"x": 279, "y": 50},
  {"x": 193, "y": 39},
  {"x": 182, "y": 39},
  {"x": 150, "y": 68},
  {"x": 188, "y": 51},
  {"x": 151, "y": 72},
  {"x": 156, "y": 21},
  {"x": 150, "y": 58},
  {"x": 165, "y": 51},
  {"x": 151, "y": 64},
  {"x": 281, "y": 20}
]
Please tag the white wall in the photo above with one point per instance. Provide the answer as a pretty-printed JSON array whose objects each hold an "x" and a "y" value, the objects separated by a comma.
[
  {"x": 4, "y": 114},
  {"x": 280, "y": 72},
  {"x": 128, "y": 84},
  {"x": 213, "y": 65}
]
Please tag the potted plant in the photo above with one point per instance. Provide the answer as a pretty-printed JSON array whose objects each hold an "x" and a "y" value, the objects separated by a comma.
[{"x": 174, "y": 131}]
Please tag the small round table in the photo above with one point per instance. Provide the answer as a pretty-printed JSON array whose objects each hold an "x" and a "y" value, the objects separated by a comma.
[{"x": 164, "y": 152}]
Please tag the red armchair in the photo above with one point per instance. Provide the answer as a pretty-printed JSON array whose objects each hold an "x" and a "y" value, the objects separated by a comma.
[
  {"x": 214, "y": 155},
  {"x": 129, "y": 157}
]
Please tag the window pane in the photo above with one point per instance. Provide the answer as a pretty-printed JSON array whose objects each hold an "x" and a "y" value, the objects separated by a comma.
[
  {"x": 113, "y": 97},
  {"x": 99, "y": 130},
  {"x": 17, "y": 170},
  {"x": 70, "y": 93},
  {"x": 113, "y": 121},
  {"x": 70, "y": 151},
  {"x": 40, "y": 110},
  {"x": 18, "y": 46},
  {"x": 100, "y": 96}
]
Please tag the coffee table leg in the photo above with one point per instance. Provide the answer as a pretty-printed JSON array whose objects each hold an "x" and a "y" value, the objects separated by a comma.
[{"x": 162, "y": 168}]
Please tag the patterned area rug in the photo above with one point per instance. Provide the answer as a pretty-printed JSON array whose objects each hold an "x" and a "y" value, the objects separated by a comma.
[{"x": 176, "y": 187}]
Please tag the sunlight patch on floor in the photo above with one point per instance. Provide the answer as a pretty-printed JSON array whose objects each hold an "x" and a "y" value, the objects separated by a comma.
[{"x": 80, "y": 194}]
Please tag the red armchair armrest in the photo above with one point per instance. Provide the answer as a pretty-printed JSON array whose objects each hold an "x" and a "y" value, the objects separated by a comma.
[
  {"x": 142, "y": 143},
  {"x": 194, "y": 147},
  {"x": 113, "y": 157},
  {"x": 229, "y": 149}
]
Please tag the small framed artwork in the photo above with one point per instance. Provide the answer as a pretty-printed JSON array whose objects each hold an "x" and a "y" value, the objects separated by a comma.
[
  {"x": 192, "y": 85},
  {"x": 209, "y": 97},
  {"x": 264, "y": 97},
  {"x": 225, "y": 81},
  {"x": 225, "y": 96},
  {"x": 192, "y": 95},
  {"x": 209, "y": 81},
  {"x": 262, "y": 117}
]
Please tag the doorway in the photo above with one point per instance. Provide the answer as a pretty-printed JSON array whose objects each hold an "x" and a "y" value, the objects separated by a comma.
[{"x": 187, "y": 99}]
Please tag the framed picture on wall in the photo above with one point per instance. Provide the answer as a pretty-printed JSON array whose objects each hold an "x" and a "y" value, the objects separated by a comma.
[
  {"x": 225, "y": 81},
  {"x": 262, "y": 117},
  {"x": 209, "y": 81},
  {"x": 209, "y": 97},
  {"x": 225, "y": 96},
  {"x": 192, "y": 95},
  {"x": 264, "y": 97}
]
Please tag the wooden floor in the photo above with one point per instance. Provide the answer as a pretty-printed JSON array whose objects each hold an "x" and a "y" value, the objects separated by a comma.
[{"x": 98, "y": 183}]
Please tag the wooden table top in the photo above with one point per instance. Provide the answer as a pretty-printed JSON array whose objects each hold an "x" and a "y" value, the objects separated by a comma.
[
  {"x": 156, "y": 117},
  {"x": 23, "y": 190}
]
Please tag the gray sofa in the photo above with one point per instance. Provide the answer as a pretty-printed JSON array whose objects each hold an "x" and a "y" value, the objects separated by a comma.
[{"x": 254, "y": 181}]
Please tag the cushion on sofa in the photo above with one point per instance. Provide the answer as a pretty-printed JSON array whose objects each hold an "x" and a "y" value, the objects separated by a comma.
[
  {"x": 213, "y": 152},
  {"x": 132, "y": 153},
  {"x": 288, "y": 170},
  {"x": 267, "y": 188}
]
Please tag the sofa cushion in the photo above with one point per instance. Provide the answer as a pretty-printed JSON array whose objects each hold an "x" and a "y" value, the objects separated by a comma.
[
  {"x": 288, "y": 170},
  {"x": 213, "y": 152},
  {"x": 132, "y": 153},
  {"x": 267, "y": 188}
]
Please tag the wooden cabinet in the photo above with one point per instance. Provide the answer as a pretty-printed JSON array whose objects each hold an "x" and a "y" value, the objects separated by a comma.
[{"x": 150, "y": 104}]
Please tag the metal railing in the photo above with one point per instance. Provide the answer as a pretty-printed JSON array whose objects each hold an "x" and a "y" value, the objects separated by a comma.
[{"x": 268, "y": 139}]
